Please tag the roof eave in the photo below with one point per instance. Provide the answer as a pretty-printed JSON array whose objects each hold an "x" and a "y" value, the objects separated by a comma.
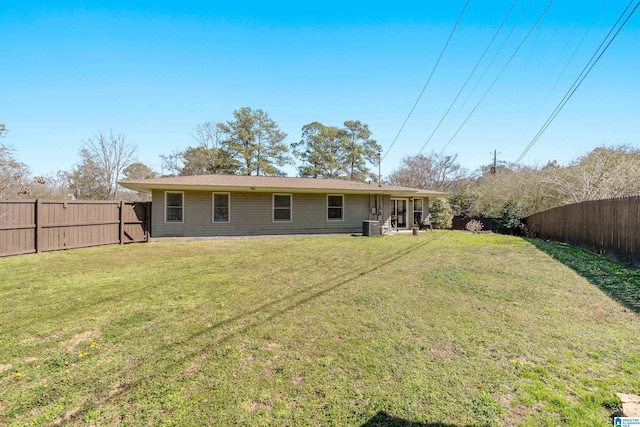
[{"x": 149, "y": 187}]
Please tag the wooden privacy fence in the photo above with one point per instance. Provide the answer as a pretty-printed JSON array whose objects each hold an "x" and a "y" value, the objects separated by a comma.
[
  {"x": 28, "y": 226},
  {"x": 610, "y": 227}
]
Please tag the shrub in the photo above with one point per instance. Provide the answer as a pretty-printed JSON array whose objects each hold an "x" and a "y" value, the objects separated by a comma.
[
  {"x": 511, "y": 217},
  {"x": 441, "y": 213},
  {"x": 474, "y": 226}
]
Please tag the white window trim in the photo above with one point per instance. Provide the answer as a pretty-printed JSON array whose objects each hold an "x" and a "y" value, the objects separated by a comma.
[
  {"x": 273, "y": 207},
  {"x": 165, "y": 207},
  {"x": 342, "y": 207},
  {"x": 413, "y": 206},
  {"x": 213, "y": 207}
]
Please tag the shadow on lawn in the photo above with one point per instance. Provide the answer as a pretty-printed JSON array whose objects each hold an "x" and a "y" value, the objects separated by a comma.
[
  {"x": 268, "y": 312},
  {"x": 621, "y": 282},
  {"x": 382, "y": 419},
  {"x": 305, "y": 295}
]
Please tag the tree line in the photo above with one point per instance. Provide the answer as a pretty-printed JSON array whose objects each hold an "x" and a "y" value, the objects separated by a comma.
[
  {"x": 508, "y": 191},
  {"x": 251, "y": 143}
]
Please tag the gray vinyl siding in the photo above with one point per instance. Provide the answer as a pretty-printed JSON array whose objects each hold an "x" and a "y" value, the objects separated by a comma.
[{"x": 252, "y": 214}]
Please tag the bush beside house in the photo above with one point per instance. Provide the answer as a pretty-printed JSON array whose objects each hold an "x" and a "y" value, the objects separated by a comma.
[{"x": 441, "y": 213}]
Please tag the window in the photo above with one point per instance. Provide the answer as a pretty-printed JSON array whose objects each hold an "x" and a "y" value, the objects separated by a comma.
[
  {"x": 282, "y": 207},
  {"x": 417, "y": 211},
  {"x": 335, "y": 205},
  {"x": 174, "y": 206},
  {"x": 221, "y": 207}
]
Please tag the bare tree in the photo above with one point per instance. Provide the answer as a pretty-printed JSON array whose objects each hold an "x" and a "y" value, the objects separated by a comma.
[
  {"x": 209, "y": 157},
  {"x": 13, "y": 174},
  {"x": 605, "y": 172},
  {"x": 209, "y": 136},
  {"x": 111, "y": 154},
  {"x": 525, "y": 185},
  {"x": 172, "y": 164},
  {"x": 52, "y": 186},
  {"x": 434, "y": 172}
]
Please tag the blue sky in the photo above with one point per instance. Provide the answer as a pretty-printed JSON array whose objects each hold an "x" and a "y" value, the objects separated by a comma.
[{"x": 153, "y": 70}]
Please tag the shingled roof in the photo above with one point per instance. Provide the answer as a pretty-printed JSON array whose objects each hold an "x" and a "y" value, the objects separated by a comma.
[{"x": 271, "y": 184}]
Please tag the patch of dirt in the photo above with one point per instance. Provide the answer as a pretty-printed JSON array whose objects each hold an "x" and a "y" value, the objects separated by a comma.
[
  {"x": 297, "y": 379},
  {"x": 256, "y": 406},
  {"x": 447, "y": 349},
  {"x": 516, "y": 413},
  {"x": 38, "y": 339},
  {"x": 73, "y": 342},
  {"x": 512, "y": 412},
  {"x": 197, "y": 365},
  {"x": 248, "y": 360},
  {"x": 271, "y": 346},
  {"x": 115, "y": 390},
  {"x": 36, "y": 411},
  {"x": 4, "y": 368},
  {"x": 268, "y": 369},
  {"x": 70, "y": 413}
]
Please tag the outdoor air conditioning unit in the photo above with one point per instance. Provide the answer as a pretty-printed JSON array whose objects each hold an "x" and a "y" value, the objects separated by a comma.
[{"x": 370, "y": 228}]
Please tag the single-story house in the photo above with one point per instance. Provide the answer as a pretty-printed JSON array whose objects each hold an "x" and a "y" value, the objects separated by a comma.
[{"x": 235, "y": 205}]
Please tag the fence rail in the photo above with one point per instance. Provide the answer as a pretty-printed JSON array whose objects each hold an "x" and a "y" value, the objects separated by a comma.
[
  {"x": 610, "y": 227},
  {"x": 28, "y": 226}
]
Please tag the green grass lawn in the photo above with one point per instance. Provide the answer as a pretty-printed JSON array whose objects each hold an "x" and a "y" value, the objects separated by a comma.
[{"x": 443, "y": 329}]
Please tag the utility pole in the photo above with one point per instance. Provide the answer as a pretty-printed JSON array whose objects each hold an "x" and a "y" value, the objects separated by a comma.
[
  {"x": 494, "y": 168},
  {"x": 379, "y": 175}
]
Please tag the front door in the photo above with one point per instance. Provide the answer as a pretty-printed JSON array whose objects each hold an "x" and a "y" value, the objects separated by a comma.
[{"x": 399, "y": 212}]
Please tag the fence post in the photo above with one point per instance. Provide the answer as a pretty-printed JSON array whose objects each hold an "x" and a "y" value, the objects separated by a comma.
[
  {"x": 147, "y": 221},
  {"x": 38, "y": 221},
  {"x": 121, "y": 229}
]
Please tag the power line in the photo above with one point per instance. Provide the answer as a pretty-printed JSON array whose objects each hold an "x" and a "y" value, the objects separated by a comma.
[
  {"x": 495, "y": 55},
  {"x": 583, "y": 75},
  {"x": 499, "y": 74},
  {"x": 564, "y": 70},
  {"x": 428, "y": 79},
  {"x": 470, "y": 75}
]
